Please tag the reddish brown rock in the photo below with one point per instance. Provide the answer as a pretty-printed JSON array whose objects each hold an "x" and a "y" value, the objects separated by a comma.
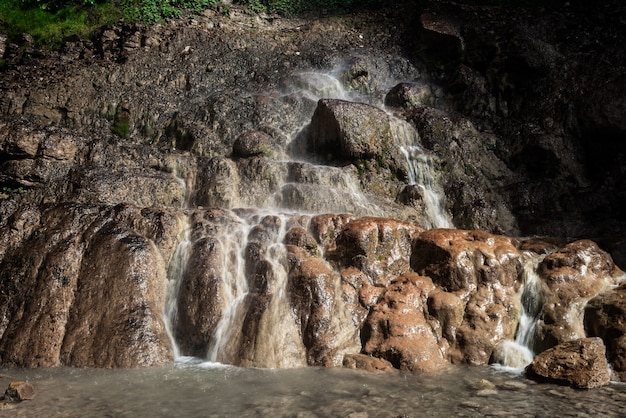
[
  {"x": 312, "y": 285},
  {"x": 482, "y": 274},
  {"x": 580, "y": 363},
  {"x": 379, "y": 247},
  {"x": 19, "y": 391},
  {"x": 573, "y": 275},
  {"x": 326, "y": 228},
  {"x": 605, "y": 317},
  {"x": 367, "y": 363},
  {"x": 398, "y": 329}
]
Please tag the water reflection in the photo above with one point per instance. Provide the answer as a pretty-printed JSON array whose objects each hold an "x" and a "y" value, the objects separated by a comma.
[{"x": 191, "y": 388}]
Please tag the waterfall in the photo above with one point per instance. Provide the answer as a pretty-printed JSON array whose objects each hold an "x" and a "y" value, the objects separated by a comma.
[
  {"x": 234, "y": 290},
  {"x": 175, "y": 274},
  {"x": 519, "y": 352},
  {"x": 278, "y": 341},
  {"x": 421, "y": 174}
]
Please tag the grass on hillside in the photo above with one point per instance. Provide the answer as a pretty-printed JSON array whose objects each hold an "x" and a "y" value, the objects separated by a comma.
[
  {"x": 49, "y": 21},
  {"x": 49, "y": 28}
]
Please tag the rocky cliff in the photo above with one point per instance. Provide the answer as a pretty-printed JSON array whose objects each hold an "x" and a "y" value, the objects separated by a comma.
[{"x": 263, "y": 191}]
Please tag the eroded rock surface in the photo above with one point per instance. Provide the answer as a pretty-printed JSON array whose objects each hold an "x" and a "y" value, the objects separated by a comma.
[
  {"x": 119, "y": 152},
  {"x": 580, "y": 363}
]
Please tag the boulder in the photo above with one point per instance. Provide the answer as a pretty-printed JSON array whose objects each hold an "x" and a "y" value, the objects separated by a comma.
[
  {"x": 398, "y": 327},
  {"x": 482, "y": 274},
  {"x": 579, "y": 363},
  {"x": 605, "y": 317},
  {"x": 407, "y": 95},
  {"x": 19, "y": 391},
  {"x": 253, "y": 143},
  {"x": 351, "y": 131},
  {"x": 572, "y": 275}
]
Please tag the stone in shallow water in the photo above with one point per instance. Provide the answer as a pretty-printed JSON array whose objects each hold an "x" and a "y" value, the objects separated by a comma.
[
  {"x": 579, "y": 363},
  {"x": 19, "y": 391}
]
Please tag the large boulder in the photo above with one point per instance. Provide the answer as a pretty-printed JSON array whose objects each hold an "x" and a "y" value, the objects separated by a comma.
[
  {"x": 579, "y": 363},
  {"x": 352, "y": 131},
  {"x": 571, "y": 276},
  {"x": 89, "y": 312},
  {"x": 605, "y": 317},
  {"x": 399, "y": 329},
  {"x": 483, "y": 273}
]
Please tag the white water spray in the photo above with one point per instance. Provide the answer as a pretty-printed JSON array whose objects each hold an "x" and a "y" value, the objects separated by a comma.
[
  {"x": 519, "y": 353},
  {"x": 421, "y": 174},
  {"x": 175, "y": 276}
]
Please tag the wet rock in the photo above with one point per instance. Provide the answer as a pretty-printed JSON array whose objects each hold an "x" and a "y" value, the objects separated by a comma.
[
  {"x": 408, "y": 95},
  {"x": 347, "y": 130},
  {"x": 299, "y": 237},
  {"x": 573, "y": 275},
  {"x": 580, "y": 363},
  {"x": 397, "y": 328},
  {"x": 605, "y": 317},
  {"x": 199, "y": 304},
  {"x": 367, "y": 363},
  {"x": 484, "y": 272},
  {"x": 252, "y": 144},
  {"x": 19, "y": 391},
  {"x": 90, "y": 313},
  {"x": 379, "y": 247},
  {"x": 312, "y": 290},
  {"x": 326, "y": 228}
]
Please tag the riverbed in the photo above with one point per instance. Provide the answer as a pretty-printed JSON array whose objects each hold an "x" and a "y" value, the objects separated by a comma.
[{"x": 190, "y": 388}]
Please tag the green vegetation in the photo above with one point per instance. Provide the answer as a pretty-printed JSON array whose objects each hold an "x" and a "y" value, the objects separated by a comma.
[{"x": 49, "y": 21}]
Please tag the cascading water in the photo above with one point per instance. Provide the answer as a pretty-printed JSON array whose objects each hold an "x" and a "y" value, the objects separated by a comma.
[
  {"x": 519, "y": 353},
  {"x": 421, "y": 174},
  {"x": 255, "y": 322},
  {"x": 234, "y": 290},
  {"x": 175, "y": 273}
]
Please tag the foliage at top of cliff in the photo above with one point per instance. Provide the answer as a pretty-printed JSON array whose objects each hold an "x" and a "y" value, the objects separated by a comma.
[{"x": 50, "y": 21}]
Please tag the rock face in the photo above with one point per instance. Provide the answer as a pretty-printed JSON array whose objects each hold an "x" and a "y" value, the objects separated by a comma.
[
  {"x": 230, "y": 187},
  {"x": 572, "y": 275},
  {"x": 99, "y": 281},
  {"x": 605, "y": 317},
  {"x": 481, "y": 275},
  {"x": 580, "y": 363}
]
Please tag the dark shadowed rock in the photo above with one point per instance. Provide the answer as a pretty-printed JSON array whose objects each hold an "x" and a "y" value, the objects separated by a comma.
[
  {"x": 408, "y": 95},
  {"x": 579, "y": 363},
  {"x": 605, "y": 317}
]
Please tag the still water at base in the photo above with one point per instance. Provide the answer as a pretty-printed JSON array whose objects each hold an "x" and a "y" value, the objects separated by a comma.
[{"x": 194, "y": 389}]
